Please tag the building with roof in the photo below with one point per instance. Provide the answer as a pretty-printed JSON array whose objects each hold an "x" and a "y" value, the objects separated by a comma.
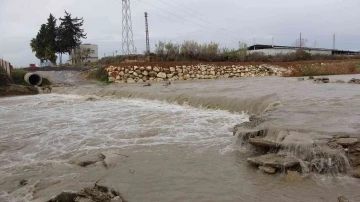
[
  {"x": 274, "y": 50},
  {"x": 85, "y": 53}
]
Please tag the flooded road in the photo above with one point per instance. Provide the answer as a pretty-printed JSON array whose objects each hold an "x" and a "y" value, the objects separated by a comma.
[{"x": 170, "y": 143}]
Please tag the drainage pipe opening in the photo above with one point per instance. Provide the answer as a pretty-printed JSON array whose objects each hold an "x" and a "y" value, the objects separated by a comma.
[{"x": 33, "y": 79}]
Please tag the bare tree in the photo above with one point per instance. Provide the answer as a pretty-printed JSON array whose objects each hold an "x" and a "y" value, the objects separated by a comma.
[
  {"x": 81, "y": 55},
  {"x": 301, "y": 43}
]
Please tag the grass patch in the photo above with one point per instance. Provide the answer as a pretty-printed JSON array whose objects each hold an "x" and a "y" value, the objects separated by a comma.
[
  {"x": 322, "y": 69},
  {"x": 46, "y": 82},
  {"x": 18, "y": 77}
]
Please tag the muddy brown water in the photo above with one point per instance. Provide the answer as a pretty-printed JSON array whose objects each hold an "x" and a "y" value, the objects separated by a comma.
[{"x": 172, "y": 143}]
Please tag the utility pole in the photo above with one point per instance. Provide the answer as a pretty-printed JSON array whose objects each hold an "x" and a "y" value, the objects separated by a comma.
[
  {"x": 334, "y": 41},
  {"x": 147, "y": 33},
  {"x": 272, "y": 42},
  {"x": 300, "y": 41},
  {"x": 127, "y": 33},
  {"x": 254, "y": 43}
]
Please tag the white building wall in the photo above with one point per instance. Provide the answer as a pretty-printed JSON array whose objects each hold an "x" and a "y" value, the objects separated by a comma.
[
  {"x": 93, "y": 56},
  {"x": 276, "y": 51}
]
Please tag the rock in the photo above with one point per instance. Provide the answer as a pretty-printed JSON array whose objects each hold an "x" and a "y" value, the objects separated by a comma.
[
  {"x": 274, "y": 160},
  {"x": 23, "y": 182},
  {"x": 119, "y": 81},
  {"x": 167, "y": 83},
  {"x": 343, "y": 199},
  {"x": 347, "y": 141},
  {"x": 339, "y": 81},
  {"x": 355, "y": 81},
  {"x": 64, "y": 197},
  {"x": 161, "y": 75},
  {"x": 301, "y": 79},
  {"x": 45, "y": 183},
  {"x": 98, "y": 193},
  {"x": 261, "y": 142},
  {"x": 148, "y": 68},
  {"x": 130, "y": 80},
  {"x": 156, "y": 69},
  {"x": 334, "y": 145},
  {"x": 293, "y": 176},
  {"x": 357, "y": 172},
  {"x": 86, "y": 160},
  {"x": 112, "y": 158},
  {"x": 112, "y": 79},
  {"x": 145, "y": 73},
  {"x": 322, "y": 80},
  {"x": 267, "y": 169},
  {"x": 44, "y": 89},
  {"x": 341, "y": 136},
  {"x": 172, "y": 69},
  {"x": 153, "y": 74},
  {"x": 311, "y": 78},
  {"x": 135, "y": 74}
]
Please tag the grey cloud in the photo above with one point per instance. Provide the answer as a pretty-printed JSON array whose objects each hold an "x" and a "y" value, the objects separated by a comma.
[{"x": 230, "y": 21}]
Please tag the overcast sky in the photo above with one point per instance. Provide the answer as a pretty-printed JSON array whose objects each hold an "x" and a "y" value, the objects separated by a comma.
[{"x": 224, "y": 21}]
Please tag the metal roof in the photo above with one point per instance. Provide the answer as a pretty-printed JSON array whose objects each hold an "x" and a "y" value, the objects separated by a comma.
[{"x": 262, "y": 46}]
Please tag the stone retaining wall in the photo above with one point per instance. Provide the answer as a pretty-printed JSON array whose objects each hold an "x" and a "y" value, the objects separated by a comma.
[{"x": 133, "y": 74}]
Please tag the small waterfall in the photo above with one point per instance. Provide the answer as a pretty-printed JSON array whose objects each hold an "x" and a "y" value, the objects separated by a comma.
[
  {"x": 313, "y": 157},
  {"x": 254, "y": 105}
]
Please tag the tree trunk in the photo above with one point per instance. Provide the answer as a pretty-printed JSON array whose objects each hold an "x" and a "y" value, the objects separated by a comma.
[{"x": 60, "y": 59}]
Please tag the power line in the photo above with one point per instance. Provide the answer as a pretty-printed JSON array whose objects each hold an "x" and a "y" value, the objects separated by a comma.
[
  {"x": 182, "y": 17},
  {"x": 171, "y": 13},
  {"x": 197, "y": 12},
  {"x": 209, "y": 22}
]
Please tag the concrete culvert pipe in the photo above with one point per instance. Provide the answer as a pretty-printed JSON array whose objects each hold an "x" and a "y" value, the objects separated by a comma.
[{"x": 33, "y": 79}]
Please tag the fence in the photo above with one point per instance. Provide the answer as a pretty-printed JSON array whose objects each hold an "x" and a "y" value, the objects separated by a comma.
[{"x": 6, "y": 65}]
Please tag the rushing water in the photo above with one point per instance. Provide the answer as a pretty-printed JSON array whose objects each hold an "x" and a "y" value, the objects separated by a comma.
[{"x": 175, "y": 152}]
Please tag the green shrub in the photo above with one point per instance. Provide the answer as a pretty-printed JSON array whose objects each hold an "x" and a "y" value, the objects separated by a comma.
[
  {"x": 46, "y": 82},
  {"x": 99, "y": 74}
]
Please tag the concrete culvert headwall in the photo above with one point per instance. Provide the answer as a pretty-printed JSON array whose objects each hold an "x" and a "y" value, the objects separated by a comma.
[{"x": 33, "y": 79}]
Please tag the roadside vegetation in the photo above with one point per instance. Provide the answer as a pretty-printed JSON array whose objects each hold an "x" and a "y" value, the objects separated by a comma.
[
  {"x": 192, "y": 51},
  {"x": 18, "y": 78},
  {"x": 4, "y": 80},
  {"x": 99, "y": 74},
  {"x": 322, "y": 69},
  {"x": 212, "y": 52}
]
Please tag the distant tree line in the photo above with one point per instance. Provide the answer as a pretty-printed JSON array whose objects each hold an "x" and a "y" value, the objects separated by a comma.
[{"x": 55, "y": 39}]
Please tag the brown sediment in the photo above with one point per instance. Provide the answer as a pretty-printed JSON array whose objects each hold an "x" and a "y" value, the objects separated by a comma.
[{"x": 12, "y": 90}]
